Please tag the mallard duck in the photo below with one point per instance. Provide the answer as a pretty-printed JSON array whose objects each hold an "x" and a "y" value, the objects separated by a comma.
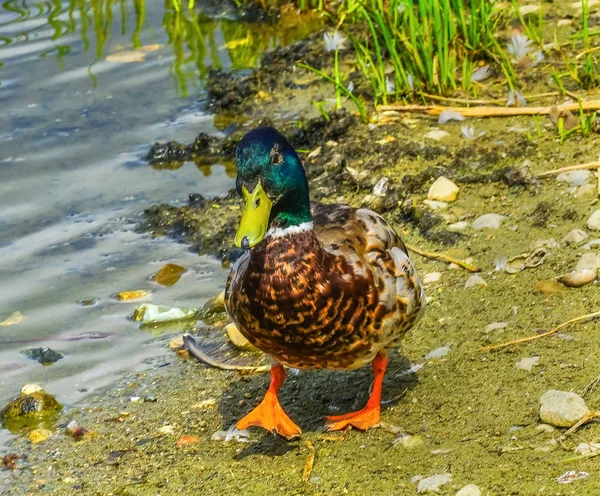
[{"x": 318, "y": 286}]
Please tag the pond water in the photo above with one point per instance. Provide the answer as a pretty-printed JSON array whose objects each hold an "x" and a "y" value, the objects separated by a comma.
[{"x": 85, "y": 89}]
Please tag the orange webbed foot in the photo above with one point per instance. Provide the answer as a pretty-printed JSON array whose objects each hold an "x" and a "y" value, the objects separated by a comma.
[
  {"x": 369, "y": 416},
  {"x": 270, "y": 416},
  {"x": 362, "y": 419}
]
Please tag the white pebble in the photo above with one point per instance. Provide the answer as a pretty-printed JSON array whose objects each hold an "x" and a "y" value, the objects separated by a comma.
[
  {"x": 575, "y": 236},
  {"x": 440, "y": 352},
  {"x": 488, "y": 221},
  {"x": 434, "y": 482},
  {"x": 593, "y": 222},
  {"x": 575, "y": 178},
  {"x": 436, "y": 134},
  {"x": 527, "y": 363},
  {"x": 562, "y": 408},
  {"x": 435, "y": 205},
  {"x": 458, "y": 226},
  {"x": 470, "y": 490},
  {"x": 475, "y": 280},
  {"x": 432, "y": 277}
]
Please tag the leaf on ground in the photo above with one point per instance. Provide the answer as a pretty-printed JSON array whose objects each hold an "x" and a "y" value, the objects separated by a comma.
[{"x": 168, "y": 275}]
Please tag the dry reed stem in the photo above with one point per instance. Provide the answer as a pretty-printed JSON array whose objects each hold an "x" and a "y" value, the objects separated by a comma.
[
  {"x": 310, "y": 461},
  {"x": 538, "y": 336},
  {"x": 445, "y": 258},
  {"x": 436, "y": 110},
  {"x": 588, "y": 165}
]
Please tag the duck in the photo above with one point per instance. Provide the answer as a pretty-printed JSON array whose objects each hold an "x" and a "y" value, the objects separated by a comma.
[{"x": 318, "y": 286}]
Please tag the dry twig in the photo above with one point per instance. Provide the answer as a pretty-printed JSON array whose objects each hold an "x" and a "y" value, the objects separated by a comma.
[
  {"x": 538, "y": 336},
  {"x": 445, "y": 258},
  {"x": 584, "y": 420},
  {"x": 436, "y": 110},
  {"x": 310, "y": 461},
  {"x": 586, "y": 166}
]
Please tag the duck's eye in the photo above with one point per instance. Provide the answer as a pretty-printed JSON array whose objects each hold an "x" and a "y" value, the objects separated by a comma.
[{"x": 275, "y": 155}]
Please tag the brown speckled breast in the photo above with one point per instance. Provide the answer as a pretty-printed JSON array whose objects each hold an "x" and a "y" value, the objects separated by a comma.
[{"x": 331, "y": 297}]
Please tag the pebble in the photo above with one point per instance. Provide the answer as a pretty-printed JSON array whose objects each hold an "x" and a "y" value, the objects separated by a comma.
[
  {"x": 166, "y": 429},
  {"x": 176, "y": 343},
  {"x": 237, "y": 339},
  {"x": 578, "y": 278},
  {"x": 475, "y": 280},
  {"x": 435, "y": 205},
  {"x": 30, "y": 388},
  {"x": 593, "y": 222},
  {"x": 434, "y": 482},
  {"x": 470, "y": 490},
  {"x": 436, "y": 134},
  {"x": 575, "y": 178},
  {"x": 527, "y": 363},
  {"x": 575, "y": 236},
  {"x": 562, "y": 408},
  {"x": 587, "y": 448},
  {"x": 547, "y": 428},
  {"x": 589, "y": 261},
  {"x": 132, "y": 295},
  {"x": 44, "y": 355},
  {"x": 488, "y": 221},
  {"x": 382, "y": 186},
  {"x": 440, "y": 352},
  {"x": 586, "y": 190},
  {"x": 496, "y": 326},
  {"x": 458, "y": 226},
  {"x": 432, "y": 277},
  {"x": 592, "y": 244},
  {"x": 39, "y": 435},
  {"x": 443, "y": 190}
]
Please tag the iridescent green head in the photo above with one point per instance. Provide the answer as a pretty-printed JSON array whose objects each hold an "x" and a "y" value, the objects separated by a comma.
[{"x": 272, "y": 182}]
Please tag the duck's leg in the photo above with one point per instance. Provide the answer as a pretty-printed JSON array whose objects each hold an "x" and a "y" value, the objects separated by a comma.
[
  {"x": 369, "y": 416},
  {"x": 268, "y": 414}
]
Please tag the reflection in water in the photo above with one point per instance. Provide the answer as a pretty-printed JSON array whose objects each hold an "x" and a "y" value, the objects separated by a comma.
[{"x": 198, "y": 41}]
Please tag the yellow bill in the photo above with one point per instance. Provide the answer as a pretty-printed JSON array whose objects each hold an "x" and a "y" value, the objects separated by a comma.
[{"x": 255, "y": 217}]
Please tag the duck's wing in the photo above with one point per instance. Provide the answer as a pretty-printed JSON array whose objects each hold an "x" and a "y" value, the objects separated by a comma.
[{"x": 369, "y": 243}]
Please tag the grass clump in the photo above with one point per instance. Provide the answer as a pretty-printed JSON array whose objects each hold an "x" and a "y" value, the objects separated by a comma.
[{"x": 428, "y": 46}]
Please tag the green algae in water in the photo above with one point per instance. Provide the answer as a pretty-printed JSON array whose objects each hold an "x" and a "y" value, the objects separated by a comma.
[{"x": 30, "y": 411}]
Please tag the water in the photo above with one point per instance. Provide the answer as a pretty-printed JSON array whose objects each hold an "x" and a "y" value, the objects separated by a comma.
[{"x": 76, "y": 120}]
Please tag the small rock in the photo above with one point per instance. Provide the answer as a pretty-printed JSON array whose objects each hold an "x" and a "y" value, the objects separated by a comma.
[
  {"x": 593, "y": 222},
  {"x": 496, "y": 326},
  {"x": 527, "y": 363},
  {"x": 213, "y": 307},
  {"x": 30, "y": 388},
  {"x": 237, "y": 339},
  {"x": 470, "y": 490},
  {"x": 438, "y": 352},
  {"x": 166, "y": 429},
  {"x": 547, "y": 428},
  {"x": 45, "y": 355},
  {"x": 88, "y": 302},
  {"x": 9, "y": 459},
  {"x": 475, "y": 280},
  {"x": 588, "y": 261},
  {"x": 176, "y": 343},
  {"x": 168, "y": 275},
  {"x": 34, "y": 405},
  {"x": 443, "y": 190},
  {"x": 39, "y": 435},
  {"x": 488, "y": 221},
  {"x": 187, "y": 440},
  {"x": 138, "y": 294},
  {"x": 575, "y": 237},
  {"x": 381, "y": 188},
  {"x": 458, "y": 226},
  {"x": 434, "y": 482},
  {"x": 585, "y": 191},
  {"x": 435, "y": 205},
  {"x": 562, "y": 408},
  {"x": 587, "y": 448},
  {"x": 578, "y": 278},
  {"x": 432, "y": 277},
  {"x": 550, "y": 286},
  {"x": 594, "y": 243},
  {"x": 436, "y": 134},
  {"x": 576, "y": 177},
  {"x": 77, "y": 431}
]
